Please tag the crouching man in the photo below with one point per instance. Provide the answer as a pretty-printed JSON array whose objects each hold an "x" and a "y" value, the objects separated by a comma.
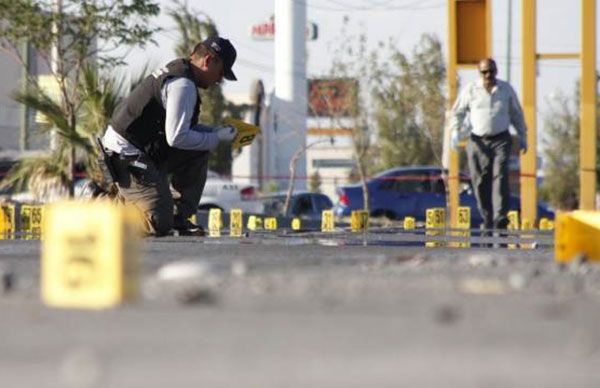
[{"x": 158, "y": 150}]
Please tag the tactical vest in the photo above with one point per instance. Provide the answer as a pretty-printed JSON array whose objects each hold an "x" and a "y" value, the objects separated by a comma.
[{"x": 140, "y": 118}]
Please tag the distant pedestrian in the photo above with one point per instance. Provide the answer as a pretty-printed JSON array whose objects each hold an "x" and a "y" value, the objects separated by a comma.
[
  {"x": 491, "y": 106},
  {"x": 158, "y": 150}
]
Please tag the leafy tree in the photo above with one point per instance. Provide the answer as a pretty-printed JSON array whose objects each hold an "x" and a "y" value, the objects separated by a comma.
[
  {"x": 409, "y": 100},
  {"x": 352, "y": 61},
  {"x": 68, "y": 38},
  {"x": 193, "y": 27},
  {"x": 314, "y": 183},
  {"x": 560, "y": 149}
]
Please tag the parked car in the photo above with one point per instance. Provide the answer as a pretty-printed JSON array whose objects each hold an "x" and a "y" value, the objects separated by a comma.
[
  {"x": 410, "y": 191},
  {"x": 305, "y": 205},
  {"x": 224, "y": 194}
]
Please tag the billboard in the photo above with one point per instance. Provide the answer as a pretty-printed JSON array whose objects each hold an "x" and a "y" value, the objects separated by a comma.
[{"x": 332, "y": 97}]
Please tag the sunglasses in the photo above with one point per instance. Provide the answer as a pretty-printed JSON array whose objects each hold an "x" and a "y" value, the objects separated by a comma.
[{"x": 488, "y": 71}]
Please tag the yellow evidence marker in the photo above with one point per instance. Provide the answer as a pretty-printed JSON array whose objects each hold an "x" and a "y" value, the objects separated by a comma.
[
  {"x": 270, "y": 223},
  {"x": 215, "y": 222},
  {"x": 359, "y": 220},
  {"x": 235, "y": 223},
  {"x": 408, "y": 223},
  {"x": 246, "y": 132},
  {"x": 252, "y": 223},
  {"x": 435, "y": 218},
  {"x": 296, "y": 224},
  {"x": 327, "y": 223},
  {"x": 464, "y": 222},
  {"x": 90, "y": 254},
  {"x": 7, "y": 222},
  {"x": 31, "y": 222},
  {"x": 527, "y": 225},
  {"x": 513, "y": 224},
  {"x": 576, "y": 235}
]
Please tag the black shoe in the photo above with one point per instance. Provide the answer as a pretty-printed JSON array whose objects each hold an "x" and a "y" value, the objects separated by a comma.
[{"x": 188, "y": 228}]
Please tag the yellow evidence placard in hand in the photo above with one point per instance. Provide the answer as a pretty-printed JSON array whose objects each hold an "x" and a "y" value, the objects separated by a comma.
[{"x": 246, "y": 132}]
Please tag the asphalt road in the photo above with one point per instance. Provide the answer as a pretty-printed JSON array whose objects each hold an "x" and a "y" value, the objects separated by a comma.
[{"x": 310, "y": 311}]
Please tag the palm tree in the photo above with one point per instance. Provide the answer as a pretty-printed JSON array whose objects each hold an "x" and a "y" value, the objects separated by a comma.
[{"x": 50, "y": 172}]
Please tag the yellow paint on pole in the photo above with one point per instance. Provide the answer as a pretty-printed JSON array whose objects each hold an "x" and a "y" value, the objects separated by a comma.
[
  {"x": 235, "y": 223},
  {"x": 327, "y": 222},
  {"x": 435, "y": 222},
  {"x": 577, "y": 234},
  {"x": 31, "y": 222},
  {"x": 588, "y": 133},
  {"x": 215, "y": 222},
  {"x": 8, "y": 225},
  {"x": 90, "y": 261},
  {"x": 529, "y": 102},
  {"x": 296, "y": 224},
  {"x": 359, "y": 220},
  {"x": 270, "y": 223}
]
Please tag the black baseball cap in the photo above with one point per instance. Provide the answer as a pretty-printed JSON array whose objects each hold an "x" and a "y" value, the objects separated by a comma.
[{"x": 225, "y": 50}]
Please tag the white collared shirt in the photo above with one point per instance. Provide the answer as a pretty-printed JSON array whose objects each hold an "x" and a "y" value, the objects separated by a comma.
[{"x": 489, "y": 113}]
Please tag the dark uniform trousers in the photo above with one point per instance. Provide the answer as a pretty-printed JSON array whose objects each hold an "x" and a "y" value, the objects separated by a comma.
[
  {"x": 167, "y": 192},
  {"x": 488, "y": 158}
]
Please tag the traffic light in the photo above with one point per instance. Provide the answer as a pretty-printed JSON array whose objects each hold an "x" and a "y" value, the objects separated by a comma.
[{"x": 473, "y": 30}]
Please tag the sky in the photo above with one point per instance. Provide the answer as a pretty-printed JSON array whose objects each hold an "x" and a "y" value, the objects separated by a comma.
[{"x": 402, "y": 20}]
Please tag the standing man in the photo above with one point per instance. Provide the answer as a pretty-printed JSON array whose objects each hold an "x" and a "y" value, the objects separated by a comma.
[
  {"x": 492, "y": 106},
  {"x": 158, "y": 151}
]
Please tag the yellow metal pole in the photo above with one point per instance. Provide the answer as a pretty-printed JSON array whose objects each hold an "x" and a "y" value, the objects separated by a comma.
[
  {"x": 453, "y": 164},
  {"x": 528, "y": 160},
  {"x": 587, "y": 149}
]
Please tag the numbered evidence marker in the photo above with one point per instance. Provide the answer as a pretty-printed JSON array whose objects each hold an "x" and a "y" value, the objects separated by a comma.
[
  {"x": 408, "y": 223},
  {"x": 235, "y": 223},
  {"x": 270, "y": 223},
  {"x": 7, "y": 222},
  {"x": 546, "y": 224},
  {"x": 215, "y": 222},
  {"x": 31, "y": 222},
  {"x": 246, "y": 132},
  {"x": 435, "y": 220},
  {"x": 513, "y": 225},
  {"x": 464, "y": 222},
  {"x": 254, "y": 223},
  {"x": 296, "y": 224},
  {"x": 327, "y": 223},
  {"x": 526, "y": 225},
  {"x": 359, "y": 220},
  {"x": 90, "y": 254}
]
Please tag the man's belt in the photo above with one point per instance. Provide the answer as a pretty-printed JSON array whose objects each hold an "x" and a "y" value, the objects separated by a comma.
[{"x": 491, "y": 137}]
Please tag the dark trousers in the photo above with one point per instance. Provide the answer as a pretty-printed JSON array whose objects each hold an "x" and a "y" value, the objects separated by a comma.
[
  {"x": 167, "y": 192},
  {"x": 488, "y": 164}
]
